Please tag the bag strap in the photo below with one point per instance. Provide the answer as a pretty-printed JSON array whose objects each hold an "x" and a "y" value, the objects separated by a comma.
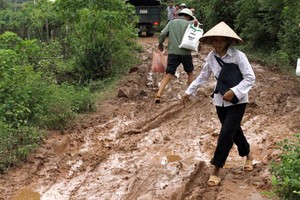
[
  {"x": 220, "y": 61},
  {"x": 195, "y": 28}
]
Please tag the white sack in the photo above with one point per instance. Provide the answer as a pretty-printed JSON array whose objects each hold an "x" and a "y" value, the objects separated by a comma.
[{"x": 191, "y": 38}]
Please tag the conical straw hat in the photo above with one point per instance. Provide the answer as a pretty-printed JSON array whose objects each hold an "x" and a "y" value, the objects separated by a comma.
[{"x": 221, "y": 29}]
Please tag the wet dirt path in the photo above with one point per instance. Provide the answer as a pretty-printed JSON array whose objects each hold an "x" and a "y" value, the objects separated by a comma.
[{"x": 133, "y": 149}]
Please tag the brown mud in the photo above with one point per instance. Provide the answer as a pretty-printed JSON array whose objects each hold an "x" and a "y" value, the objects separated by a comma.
[{"x": 132, "y": 148}]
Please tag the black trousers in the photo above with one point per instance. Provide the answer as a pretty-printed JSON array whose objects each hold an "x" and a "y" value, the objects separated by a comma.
[{"x": 231, "y": 132}]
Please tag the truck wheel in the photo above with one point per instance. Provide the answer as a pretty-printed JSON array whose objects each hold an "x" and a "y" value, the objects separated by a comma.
[{"x": 149, "y": 34}]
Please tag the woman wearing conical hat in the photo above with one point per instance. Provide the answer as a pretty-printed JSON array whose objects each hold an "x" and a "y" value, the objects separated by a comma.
[{"x": 234, "y": 78}]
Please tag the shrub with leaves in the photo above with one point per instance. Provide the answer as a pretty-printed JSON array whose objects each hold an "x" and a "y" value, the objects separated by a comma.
[
  {"x": 31, "y": 101},
  {"x": 99, "y": 36},
  {"x": 286, "y": 173},
  {"x": 60, "y": 104},
  {"x": 16, "y": 144}
]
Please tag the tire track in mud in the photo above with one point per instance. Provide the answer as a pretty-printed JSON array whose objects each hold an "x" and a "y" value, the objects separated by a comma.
[
  {"x": 195, "y": 186},
  {"x": 155, "y": 121},
  {"x": 137, "y": 187}
]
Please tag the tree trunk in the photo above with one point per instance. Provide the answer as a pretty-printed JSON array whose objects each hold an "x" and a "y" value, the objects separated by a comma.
[{"x": 47, "y": 30}]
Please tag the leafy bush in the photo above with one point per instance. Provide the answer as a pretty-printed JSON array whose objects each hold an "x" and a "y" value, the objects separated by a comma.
[
  {"x": 289, "y": 34},
  {"x": 95, "y": 39},
  {"x": 100, "y": 37},
  {"x": 16, "y": 144},
  {"x": 30, "y": 100},
  {"x": 286, "y": 174},
  {"x": 41, "y": 80},
  {"x": 23, "y": 88},
  {"x": 60, "y": 104},
  {"x": 269, "y": 27}
]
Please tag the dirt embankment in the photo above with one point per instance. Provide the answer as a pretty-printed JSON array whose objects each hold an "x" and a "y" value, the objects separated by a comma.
[{"x": 133, "y": 149}]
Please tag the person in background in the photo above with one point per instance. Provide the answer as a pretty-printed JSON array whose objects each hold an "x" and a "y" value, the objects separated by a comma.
[
  {"x": 230, "y": 113},
  {"x": 175, "y": 30},
  {"x": 177, "y": 7},
  {"x": 170, "y": 11},
  {"x": 180, "y": 7},
  {"x": 193, "y": 10}
]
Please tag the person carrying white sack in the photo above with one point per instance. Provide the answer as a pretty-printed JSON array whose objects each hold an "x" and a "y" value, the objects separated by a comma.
[
  {"x": 175, "y": 30},
  {"x": 230, "y": 96}
]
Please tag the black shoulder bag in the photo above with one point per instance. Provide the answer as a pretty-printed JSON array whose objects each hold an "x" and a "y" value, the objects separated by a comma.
[{"x": 230, "y": 76}]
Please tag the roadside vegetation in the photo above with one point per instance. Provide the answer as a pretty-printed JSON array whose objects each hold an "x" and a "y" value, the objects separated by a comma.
[
  {"x": 286, "y": 173},
  {"x": 55, "y": 58}
]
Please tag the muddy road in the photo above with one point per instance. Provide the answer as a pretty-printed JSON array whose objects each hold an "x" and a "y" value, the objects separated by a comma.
[{"x": 132, "y": 148}]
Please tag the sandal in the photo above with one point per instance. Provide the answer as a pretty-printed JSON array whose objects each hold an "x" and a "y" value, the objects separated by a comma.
[
  {"x": 157, "y": 99},
  {"x": 248, "y": 166},
  {"x": 213, "y": 181}
]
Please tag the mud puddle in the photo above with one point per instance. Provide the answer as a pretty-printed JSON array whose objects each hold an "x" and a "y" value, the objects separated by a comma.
[
  {"x": 158, "y": 164},
  {"x": 27, "y": 194}
]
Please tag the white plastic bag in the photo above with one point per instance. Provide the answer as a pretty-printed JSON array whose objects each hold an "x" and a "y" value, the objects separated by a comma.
[
  {"x": 191, "y": 38},
  {"x": 298, "y": 67}
]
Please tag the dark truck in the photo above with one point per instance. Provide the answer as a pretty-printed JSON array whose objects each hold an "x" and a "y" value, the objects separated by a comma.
[{"x": 149, "y": 12}]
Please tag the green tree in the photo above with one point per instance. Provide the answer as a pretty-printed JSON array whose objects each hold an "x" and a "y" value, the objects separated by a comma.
[
  {"x": 212, "y": 12},
  {"x": 289, "y": 33},
  {"x": 48, "y": 51},
  {"x": 30, "y": 101},
  {"x": 259, "y": 22},
  {"x": 97, "y": 34}
]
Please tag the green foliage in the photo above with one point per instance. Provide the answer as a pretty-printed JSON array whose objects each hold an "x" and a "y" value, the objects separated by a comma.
[
  {"x": 209, "y": 13},
  {"x": 98, "y": 35},
  {"x": 286, "y": 174},
  {"x": 28, "y": 51},
  {"x": 91, "y": 36},
  {"x": 261, "y": 29},
  {"x": 289, "y": 34},
  {"x": 269, "y": 27},
  {"x": 272, "y": 27},
  {"x": 29, "y": 100},
  {"x": 55, "y": 110},
  {"x": 9, "y": 40},
  {"x": 16, "y": 144}
]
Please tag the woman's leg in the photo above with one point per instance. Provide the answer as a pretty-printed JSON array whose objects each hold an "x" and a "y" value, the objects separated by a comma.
[
  {"x": 242, "y": 143},
  {"x": 230, "y": 118}
]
